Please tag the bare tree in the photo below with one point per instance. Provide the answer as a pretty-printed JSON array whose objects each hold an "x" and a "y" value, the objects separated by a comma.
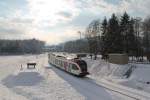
[
  {"x": 146, "y": 38},
  {"x": 92, "y": 34}
]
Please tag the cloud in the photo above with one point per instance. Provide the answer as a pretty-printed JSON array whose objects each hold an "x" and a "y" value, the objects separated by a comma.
[
  {"x": 104, "y": 7},
  {"x": 52, "y": 11},
  {"x": 56, "y": 37},
  {"x": 14, "y": 28},
  {"x": 65, "y": 14},
  {"x": 139, "y": 8},
  {"x": 56, "y": 21}
]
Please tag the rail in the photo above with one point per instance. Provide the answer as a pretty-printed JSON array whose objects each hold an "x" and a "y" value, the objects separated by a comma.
[{"x": 131, "y": 93}]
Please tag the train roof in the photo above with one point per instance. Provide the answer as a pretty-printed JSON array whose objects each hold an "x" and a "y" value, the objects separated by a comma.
[{"x": 65, "y": 56}]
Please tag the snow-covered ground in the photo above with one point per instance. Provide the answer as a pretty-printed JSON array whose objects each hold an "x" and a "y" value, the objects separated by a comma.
[
  {"x": 42, "y": 83},
  {"x": 140, "y": 78},
  {"x": 49, "y": 83},
  {"x": 133, "y": 77}
]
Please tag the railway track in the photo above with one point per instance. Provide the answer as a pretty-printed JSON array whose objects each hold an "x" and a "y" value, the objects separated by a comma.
[
  {"x": 88, "y": 85},
  {"x": 131, "y": 93}
]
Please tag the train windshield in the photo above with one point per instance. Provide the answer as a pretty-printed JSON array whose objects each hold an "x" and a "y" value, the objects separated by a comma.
[{"x": 82, "y": 65}]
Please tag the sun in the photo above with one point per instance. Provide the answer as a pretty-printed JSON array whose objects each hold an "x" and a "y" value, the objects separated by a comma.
[{"x": 48, "y": 10}]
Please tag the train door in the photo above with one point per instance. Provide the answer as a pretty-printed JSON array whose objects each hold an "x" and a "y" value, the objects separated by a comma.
[
  {"x": 75, "y": 69},
  {"x": 69, "y": 67},
  {"x": 65, "y": 65}
]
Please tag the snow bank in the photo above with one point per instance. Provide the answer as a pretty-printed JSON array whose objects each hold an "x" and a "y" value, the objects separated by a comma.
[
  {"x": 135, "y": 76},
  {"x": 140, "y": 78},
  {"x": 101, "y": 68}
]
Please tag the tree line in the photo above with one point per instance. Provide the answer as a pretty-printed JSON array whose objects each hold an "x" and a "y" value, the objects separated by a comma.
[
  {"x": 119, "y": 35},
  {"x": 77, "y": 46},
  {"x": 21, "y": 46}
]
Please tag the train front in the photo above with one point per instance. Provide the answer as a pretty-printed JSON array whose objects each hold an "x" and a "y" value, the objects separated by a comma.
[{"x": 83, "y": 67}]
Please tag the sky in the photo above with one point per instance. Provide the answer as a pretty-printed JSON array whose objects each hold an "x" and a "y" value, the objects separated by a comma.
[{"x": 57, "y": 21}]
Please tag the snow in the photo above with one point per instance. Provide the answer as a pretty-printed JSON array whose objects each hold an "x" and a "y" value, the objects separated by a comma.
[
  {"x": 102, "y": 68},
  {"x": 140, "y": 78},
  {"x": 113, "y": 77},
  {"x": 46, "y": 82},
  {"x": 22, "y": 79},
  {"x": 41, "y": 83},
  {"x": 85, "y": 86}
]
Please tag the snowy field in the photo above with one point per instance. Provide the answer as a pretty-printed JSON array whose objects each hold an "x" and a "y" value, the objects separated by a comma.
[
  {"x": 133, "y": 77},
  {"x": 34, "y": 84},
  {"x": 49, "y": 83}
]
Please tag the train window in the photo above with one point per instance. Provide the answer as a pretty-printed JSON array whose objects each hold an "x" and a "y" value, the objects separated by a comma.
[
  {"x": 74, "y": 67},
  {"x": 61, "y": 63},
  {"x": 82, "y": 65},
  {"x": 56, "y": 61},
  {"x": 70, "y": 65}
]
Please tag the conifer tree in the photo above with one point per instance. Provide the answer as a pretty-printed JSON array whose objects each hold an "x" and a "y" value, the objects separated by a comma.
[
  {"x": 104, "y": 29},
  {"x": 113, "y": 36},
  {"x": 124, "y": 29}
]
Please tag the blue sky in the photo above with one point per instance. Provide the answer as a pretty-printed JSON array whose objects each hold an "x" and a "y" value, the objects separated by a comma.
[{"x": 56, "y": 21}]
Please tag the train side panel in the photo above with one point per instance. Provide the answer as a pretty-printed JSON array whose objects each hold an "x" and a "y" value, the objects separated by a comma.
[{"x": 68, "y": 66}]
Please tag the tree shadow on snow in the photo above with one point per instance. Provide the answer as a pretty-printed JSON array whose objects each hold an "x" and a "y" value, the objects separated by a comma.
[
  {"x": 85, "y": 86},
  {"x": 22, "y": 79}
]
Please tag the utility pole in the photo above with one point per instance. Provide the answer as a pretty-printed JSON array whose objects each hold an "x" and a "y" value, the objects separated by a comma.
[{"x": 79, "y": 32}]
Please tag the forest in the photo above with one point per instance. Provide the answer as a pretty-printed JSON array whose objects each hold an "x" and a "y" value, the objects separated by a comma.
[
  {"x": 117, "y": 34},
  {"x": 32, "y": 46}
]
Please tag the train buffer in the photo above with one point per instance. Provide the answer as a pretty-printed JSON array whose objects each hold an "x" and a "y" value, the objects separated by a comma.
[{"x": 31, "y": 65}]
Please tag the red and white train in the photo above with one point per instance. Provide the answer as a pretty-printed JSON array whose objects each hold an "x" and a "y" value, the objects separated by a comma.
[{"x": 73, "y": 65}]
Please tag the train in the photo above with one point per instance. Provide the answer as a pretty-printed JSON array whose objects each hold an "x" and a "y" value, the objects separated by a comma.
[{"x": 70, "y": 64}]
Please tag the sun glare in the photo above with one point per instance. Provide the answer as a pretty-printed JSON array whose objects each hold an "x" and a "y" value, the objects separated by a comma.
[{"x": 48, "y": 10}]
